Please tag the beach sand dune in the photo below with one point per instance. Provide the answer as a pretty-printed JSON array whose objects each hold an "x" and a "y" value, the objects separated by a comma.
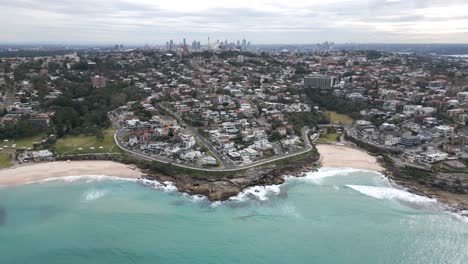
[
  {"x": 344, "y": 156},
  {"x": 41, "y": 171}
]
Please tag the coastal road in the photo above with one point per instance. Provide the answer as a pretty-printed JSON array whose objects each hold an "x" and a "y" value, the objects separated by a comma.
[{"x": 304, "y": 132}]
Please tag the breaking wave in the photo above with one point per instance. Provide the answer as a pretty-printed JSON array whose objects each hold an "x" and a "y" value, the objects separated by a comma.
[
  {"x": 166, "y": 186},
  {"x": 260, "y": 193},
  {"x": 391, "y": 194},
  {"x": 317, "y": 177},
  {"x": 94, "y": 194},
  {"x": 87, "y": 178}
]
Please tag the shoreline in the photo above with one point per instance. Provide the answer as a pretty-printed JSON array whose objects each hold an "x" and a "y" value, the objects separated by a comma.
[
  {"x": 331, "y": 155},
  {"x": 57, "y": 169},
  {"x": 342, "y": 156}
]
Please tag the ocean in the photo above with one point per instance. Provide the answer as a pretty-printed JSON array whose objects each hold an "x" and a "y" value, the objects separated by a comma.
[{"x": 331, "y": 216}]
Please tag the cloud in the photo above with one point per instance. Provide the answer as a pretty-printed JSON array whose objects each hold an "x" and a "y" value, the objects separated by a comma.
[{"x": 261, "y": 21}]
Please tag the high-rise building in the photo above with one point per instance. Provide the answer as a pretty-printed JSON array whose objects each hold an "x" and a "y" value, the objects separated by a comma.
[{"x": 319, "y": 82}]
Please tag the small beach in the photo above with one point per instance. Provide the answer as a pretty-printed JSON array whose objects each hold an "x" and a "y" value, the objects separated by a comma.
[
  {"x": 344, "y": 156},
  {"x": 41, "y": 171}
]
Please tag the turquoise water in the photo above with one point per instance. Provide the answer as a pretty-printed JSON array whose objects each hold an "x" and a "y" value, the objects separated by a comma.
[{"x": 327, "y": 217}]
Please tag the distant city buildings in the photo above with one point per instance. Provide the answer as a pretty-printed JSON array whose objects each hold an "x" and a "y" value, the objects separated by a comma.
[
  {"x": 242, "y": 45},
  {"x": 119, "y": 47}
]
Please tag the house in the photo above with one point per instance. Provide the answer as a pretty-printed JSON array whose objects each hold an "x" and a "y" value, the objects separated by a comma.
[
  {"x": 445, "y": 131},
  {"x": 40, "y": 121},
  {"x": 289, "y": 141},
  {"x": 261, "y": 143},
  {"x": 167, "y": 121},
  {"x": 41, "y": 155},
  {"x": 133, "y": 140},
  {"x": 132, "y": 122},
  {"x": 190, "y": 155},
  {"x": 282, "y": 130},
  {"x": 253, "y": 154},
  {"x": 409, "y": 140},
  {"x": 234, "y": 156},
  {"x": 188, "y": 141},
  {"x": 432, "y": 157},
  {"x": 391, "y": 140},
  {"x": 208, "y": 160}
]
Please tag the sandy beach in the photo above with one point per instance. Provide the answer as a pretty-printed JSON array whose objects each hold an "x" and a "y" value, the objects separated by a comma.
[
  {"x": 41, "y": 171},
  {"x": 344, "y": 156}
]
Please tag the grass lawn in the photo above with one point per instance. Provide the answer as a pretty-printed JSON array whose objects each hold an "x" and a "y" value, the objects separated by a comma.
[
  {"x": 336, "y": 118},
  {"x": 5, "y": 160},
  {"x": 23, "y": 142},
  {"x": 83, "y": 144},
  {"x": 327, "y": 138}
]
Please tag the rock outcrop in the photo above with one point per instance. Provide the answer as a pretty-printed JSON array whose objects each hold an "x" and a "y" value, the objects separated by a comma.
[{"x": 221, "y": 188}]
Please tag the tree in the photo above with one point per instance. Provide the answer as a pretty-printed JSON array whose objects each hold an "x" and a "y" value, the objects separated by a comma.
[
  {"x": 65, "y": 119},
  {"x": 118, "y": 100}
]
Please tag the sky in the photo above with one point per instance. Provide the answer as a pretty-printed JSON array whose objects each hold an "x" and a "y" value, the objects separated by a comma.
[{"x": 259, "y": 21}]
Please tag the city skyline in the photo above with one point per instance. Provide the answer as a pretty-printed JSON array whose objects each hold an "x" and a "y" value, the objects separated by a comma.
[{"x": 262, "y": 22}]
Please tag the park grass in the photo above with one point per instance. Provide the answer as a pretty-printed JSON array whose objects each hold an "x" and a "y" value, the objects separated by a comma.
[
  {"x": 5, "y": 160},
  {"x": 69, "y": 145},
  {"x": 336, "y": 118},
  {"x": 24, "y": 142},
  {"x": 327, "y": 138}
]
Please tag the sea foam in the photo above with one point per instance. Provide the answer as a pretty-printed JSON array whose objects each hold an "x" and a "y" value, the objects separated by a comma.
[
  {"x": 87, "y": 178},
  {"x": 166, "y": 186},
  {"x": 317, "y": 177},
  {"x": 257, "y": 192},
  {"x": 94, "y": 194},
  {"x": 391, "y": 194}
]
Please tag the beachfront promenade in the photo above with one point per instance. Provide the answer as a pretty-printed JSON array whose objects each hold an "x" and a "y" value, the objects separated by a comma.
[{"x": 304, "y": 131}]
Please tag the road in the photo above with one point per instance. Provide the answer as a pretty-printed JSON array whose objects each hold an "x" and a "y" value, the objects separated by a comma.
[
  {"x": 304, "y": 132},
  {"x": 226, "y": 162}
]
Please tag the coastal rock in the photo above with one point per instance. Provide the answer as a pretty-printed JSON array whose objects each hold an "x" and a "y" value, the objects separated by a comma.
[
  {"x": 221, "y": 188},
  {"x": 449, "y": 188}
]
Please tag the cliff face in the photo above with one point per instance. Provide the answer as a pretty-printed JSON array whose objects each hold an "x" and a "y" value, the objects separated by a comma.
[
  {"x": 452, "y": 182},
  {"x": 456, "y": 183},
  {"x": 221, "y": 188},
  {"x": 449, "y": 188}
]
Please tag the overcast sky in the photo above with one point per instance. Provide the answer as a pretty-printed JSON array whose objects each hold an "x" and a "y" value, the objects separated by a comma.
[{"x": 260, "y": 21}]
